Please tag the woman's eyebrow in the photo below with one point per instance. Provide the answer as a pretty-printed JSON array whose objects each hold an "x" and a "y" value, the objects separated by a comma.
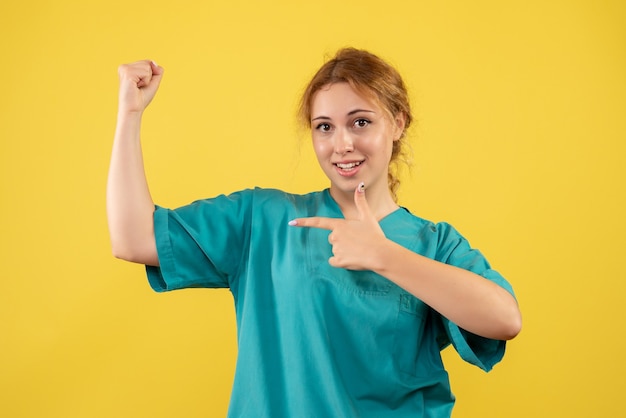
[
  {"x": 359, "y": 110},
  {"x": 350, "y": 113}
]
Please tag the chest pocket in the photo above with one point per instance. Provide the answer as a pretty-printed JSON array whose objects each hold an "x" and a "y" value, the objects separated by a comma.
[
  {"x": 416, "y": 350},
  {"x": 361, "y": 282}
]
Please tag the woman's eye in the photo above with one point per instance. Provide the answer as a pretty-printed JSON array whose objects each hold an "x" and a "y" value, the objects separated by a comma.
[
  {"x": 361, "y": 123},
  {"x": 324, "y": 127}
]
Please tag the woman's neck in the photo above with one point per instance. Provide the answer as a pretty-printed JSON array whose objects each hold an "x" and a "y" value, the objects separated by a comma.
[{"x": 381, "y": 203}]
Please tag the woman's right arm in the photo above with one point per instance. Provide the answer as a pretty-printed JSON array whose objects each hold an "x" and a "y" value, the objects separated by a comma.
[{"x": 130, "y": 207}]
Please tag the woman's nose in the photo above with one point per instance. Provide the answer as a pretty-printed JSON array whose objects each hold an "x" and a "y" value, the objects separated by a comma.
[{"x": 343, "y": 142}]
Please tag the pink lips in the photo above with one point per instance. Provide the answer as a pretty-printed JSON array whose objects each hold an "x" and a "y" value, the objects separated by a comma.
[{"x": 348, "y": 168}]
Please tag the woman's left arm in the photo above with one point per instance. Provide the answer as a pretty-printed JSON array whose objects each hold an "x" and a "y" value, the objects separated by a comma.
[{"x": 471, "y": 301}]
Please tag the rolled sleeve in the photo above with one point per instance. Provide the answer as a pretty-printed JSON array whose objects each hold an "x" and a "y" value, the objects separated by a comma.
[
  {"x": 456, "y": 250},
  {"x": 201, "y": 244}
]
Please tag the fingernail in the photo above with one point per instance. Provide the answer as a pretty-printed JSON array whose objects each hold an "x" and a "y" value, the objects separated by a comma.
[
  {"x": 292, "y": 223},
  {"x": 361, "y": 188},
  {"x": 155, "y": 63}
]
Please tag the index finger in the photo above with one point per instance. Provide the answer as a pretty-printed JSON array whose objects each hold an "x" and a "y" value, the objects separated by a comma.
[{"x": 316, "y": 222}]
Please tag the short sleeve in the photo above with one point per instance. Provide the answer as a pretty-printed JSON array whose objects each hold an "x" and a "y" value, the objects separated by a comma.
[
  {"x": 201, "y": 244},
  {"x": 455, "y": 250}
]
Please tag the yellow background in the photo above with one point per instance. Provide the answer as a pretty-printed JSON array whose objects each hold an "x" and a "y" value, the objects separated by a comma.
[{"x": 519, "y": 143}]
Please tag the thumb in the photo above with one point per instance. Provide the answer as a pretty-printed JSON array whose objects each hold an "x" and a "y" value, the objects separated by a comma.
[
  {"x": 361, "y": 202},
  {"x": 157, "y": 71}
]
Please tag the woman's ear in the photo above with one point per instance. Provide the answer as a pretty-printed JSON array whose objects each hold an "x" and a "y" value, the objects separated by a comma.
[{"x": 400, "y": 121}]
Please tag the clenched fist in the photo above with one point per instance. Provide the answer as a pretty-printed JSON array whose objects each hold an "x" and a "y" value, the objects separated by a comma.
[{"x": 139, "y": 82}]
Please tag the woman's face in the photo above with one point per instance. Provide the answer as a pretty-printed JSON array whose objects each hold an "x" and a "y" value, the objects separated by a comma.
[{"x": 352, "y": 138}]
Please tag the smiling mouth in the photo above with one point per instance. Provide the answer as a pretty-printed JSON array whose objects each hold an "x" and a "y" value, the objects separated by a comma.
[{"x": 348, "y": 166}]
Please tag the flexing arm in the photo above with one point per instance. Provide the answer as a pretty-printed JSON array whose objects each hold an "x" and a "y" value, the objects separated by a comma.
[{"x": 129, "y": 204}]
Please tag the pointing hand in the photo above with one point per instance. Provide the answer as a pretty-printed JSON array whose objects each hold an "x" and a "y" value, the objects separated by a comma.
[{"x": 354, "y": 241}]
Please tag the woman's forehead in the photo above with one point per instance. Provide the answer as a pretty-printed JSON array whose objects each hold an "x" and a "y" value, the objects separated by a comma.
[{"x": 341, "y": 98}]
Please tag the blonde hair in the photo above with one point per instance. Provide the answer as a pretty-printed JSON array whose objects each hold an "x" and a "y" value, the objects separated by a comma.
[{"x": 374, "y": 78}]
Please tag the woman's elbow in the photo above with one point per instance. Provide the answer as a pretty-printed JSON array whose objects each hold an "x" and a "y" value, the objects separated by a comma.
[
  {"x": 512, "y": 325},
  {"x": 146, "y": 254}
]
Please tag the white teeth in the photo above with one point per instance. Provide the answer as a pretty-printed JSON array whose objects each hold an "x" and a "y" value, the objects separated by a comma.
[{"x": 347, "y": 166}]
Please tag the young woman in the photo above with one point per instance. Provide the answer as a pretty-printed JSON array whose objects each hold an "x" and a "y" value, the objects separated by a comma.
[{"x": 343, "y": 298}]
